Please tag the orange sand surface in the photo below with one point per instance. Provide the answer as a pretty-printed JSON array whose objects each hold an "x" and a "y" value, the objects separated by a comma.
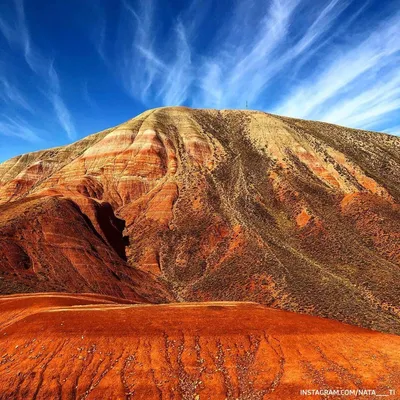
[{"x": 67, "y": 346}]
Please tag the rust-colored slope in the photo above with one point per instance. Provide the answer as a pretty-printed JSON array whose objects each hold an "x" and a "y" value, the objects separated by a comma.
[
  {"x": 221, "y": 205},
  {"x": 48, "y": 244},
  {"x": 64, "y": 347}
]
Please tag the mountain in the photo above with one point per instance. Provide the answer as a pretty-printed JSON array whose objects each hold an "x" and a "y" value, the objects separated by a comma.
[
  {"x": 90, "y": 347},
  {"x": 191, "y": 205}
]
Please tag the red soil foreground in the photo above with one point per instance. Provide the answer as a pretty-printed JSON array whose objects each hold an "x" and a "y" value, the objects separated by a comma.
[{"x": 60, "y": 346}]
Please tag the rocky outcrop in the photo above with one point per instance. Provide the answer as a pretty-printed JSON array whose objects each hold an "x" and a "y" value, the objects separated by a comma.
[{"x": 211, "y": 205}]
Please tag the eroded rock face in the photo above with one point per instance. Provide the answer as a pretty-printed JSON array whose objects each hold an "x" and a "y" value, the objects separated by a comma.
[
  {"x": 217, "y": 205},
  {"x": 65, "y": 346},
  {"x": 49, "y": 244}
]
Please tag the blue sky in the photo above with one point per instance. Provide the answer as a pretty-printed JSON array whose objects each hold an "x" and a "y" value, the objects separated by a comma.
[{"x": 71, "y": 68}]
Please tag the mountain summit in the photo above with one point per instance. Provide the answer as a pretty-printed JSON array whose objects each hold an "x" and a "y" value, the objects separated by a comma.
[{"x": 183, "y": 204}]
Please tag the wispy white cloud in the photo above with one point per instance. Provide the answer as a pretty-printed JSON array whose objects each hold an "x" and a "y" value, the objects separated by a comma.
[
  {"x": 363, "y": 107},
  {"x": 63, "y": 115},
  {"x": 14, "y": 127},
  {"x": 137, "y": 62},
  {"x": 12, "y": 95},
  {"x": 16, "y": 32},
  {"x": 273, "y": 49},
  {"x": 339, "y": 31},
  {"x": 326, "y": 61},
  {"x": 148, "y": 69},
  {"x": 87, "y": 97},
  {"x": 53, "y": 94},
  {"x": 341, "y": 90},
  {"x": 151, "y": 66},
  {"x": 178, "y": 77},
  {"x": 245, "y": 55},
  {"x": 254, "y": 58},
  {"x": 330, "y": 60},
  {"x": 98, "y": 35}
]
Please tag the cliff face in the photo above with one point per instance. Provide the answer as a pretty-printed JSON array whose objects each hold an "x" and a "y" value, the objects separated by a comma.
[{"x": 200, "y": 205}]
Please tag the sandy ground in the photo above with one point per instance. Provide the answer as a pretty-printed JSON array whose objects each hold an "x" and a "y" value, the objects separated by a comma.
[{"x": 60, "y": 346}]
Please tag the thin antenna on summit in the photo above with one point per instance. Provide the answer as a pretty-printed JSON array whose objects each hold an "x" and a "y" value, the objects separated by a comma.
[{"x": 246, "y": 105}]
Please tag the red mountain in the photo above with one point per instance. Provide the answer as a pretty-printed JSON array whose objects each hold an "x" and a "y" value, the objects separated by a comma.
[{"x": 181, "y": 204}]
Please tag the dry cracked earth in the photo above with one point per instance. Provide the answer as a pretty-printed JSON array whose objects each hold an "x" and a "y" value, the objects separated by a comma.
[{"x": 187, "y": 230}]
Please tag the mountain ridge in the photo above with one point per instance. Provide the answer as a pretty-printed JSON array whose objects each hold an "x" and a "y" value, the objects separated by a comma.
[{"x": 18, "y": 156}]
